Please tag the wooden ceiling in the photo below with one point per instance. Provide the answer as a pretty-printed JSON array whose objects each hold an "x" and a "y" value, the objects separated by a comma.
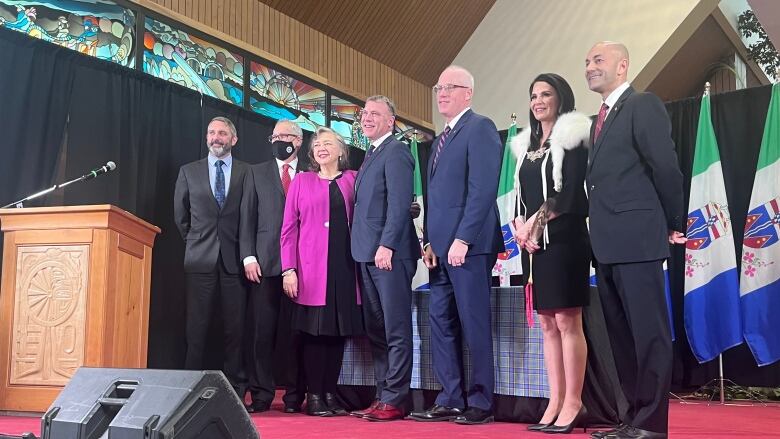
[{"x": 418, "y": 38}]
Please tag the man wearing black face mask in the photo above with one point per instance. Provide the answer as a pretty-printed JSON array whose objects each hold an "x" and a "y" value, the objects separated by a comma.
[{"x": 268, "y": 305}]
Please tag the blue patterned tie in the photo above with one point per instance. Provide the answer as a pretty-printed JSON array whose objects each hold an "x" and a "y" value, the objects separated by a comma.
[{"x": 219, "y": 184}]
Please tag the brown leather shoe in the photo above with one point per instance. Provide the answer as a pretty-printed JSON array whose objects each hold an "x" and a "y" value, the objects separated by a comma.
[
  {"x": 365, "y": 411},
  {"x": 384, "y": 412}
]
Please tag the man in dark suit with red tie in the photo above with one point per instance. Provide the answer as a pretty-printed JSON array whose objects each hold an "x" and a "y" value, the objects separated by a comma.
[
  {"x": 207, "y": 210},
  {"x": 268, "y": 318},
  {"x": 636, "y": 205},
  {"x": 462, "y": 237}
]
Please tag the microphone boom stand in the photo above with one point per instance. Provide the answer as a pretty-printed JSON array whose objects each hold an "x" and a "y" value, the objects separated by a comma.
[{"x": 20, "y": 203}]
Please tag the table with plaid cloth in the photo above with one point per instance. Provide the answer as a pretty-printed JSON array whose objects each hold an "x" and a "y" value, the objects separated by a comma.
[{"x": 517, "y": 349}]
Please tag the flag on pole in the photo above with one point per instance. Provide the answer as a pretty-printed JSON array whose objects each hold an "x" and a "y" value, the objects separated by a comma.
[
  {"x": 711, "y": 305},
  {"x": 760, "y": 272},
  {"x": 420, "y": 279},
  {"x": 508, "y": 262}
]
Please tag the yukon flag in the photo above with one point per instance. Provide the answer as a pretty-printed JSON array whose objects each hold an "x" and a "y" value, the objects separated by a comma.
[
  {"x": 712, "y": 320},
  {"x": 508, "y": 262},
  {"x": 760, "y": 282},
  {"x": 420, "y": 279}
]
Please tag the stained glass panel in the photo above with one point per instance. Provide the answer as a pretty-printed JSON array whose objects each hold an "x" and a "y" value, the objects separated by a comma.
[
  {"x": 97, "y": 28},
  {"x": 345, "y": 120},
  {"x": 408, "y": 130},
  {"x": 176, "y": 56},
  {"x": 278, "y": 96}
]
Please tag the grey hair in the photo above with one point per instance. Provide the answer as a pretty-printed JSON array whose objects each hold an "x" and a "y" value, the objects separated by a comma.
[
  {"x": 385, "y": 100},
  {"x": 296, "y": 129},
  {"x": 227, "y": 122}
]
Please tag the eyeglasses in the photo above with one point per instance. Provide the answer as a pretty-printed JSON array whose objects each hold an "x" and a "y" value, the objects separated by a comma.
[
  {"x": 286, "y": 137},
  {"x": 446, "y": 87}
]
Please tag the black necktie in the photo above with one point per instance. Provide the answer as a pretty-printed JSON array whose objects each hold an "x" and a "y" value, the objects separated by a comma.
[{"x": 219, "y": 184}]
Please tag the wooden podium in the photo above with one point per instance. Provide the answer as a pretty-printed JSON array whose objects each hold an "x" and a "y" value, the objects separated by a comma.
[{"x": 75, "y": 292}]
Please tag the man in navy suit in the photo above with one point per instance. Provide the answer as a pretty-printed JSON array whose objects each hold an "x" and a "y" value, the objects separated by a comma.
[
  {"x": 208, "y": 212},
  {"x": 636, "y": 204},
  {"x": 386, "y": 248},
  {"x": 462, "y": 238}
]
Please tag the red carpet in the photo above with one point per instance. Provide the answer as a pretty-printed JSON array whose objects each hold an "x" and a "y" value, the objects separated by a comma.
[{"x": 685, "y": 421}]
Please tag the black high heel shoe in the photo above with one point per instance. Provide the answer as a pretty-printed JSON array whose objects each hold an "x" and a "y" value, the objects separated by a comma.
[
  {"x": 566, "y": 429},
  {"x": 539, "y": 427}
]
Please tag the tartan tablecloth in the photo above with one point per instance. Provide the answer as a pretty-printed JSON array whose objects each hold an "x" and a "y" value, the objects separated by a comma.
[{"x": 517, "y": 349}]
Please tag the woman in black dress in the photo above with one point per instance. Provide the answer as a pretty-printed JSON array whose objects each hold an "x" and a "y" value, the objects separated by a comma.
[
  {"x": 319, "y": 273},
  {"x": 552, "y": 206}
]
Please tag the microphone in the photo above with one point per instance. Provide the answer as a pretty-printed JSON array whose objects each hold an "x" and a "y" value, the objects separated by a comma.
[{"x": 108, "y": 167}]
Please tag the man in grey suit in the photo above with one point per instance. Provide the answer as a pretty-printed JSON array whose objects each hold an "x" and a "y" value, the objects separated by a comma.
[
  {"x": 269, "y": 308},
  {"x": 207, "y": 210},
  {"x": 386, "y": 248}
]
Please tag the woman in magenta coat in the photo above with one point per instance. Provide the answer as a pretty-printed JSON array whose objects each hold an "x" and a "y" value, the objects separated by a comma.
[{"x": 318, "y": 270}]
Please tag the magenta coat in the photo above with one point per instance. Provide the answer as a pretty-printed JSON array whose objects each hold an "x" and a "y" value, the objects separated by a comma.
[{"x": 304, "y": 239}]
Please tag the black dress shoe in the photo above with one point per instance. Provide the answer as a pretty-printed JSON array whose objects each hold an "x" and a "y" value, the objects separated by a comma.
[
  {"x": 474, "y": 415},
  {"x": 316, "y": 406},
  {"x": 629, "y": 432},
  {"x": 436, "y": 413},
  {"x": 566, "y": 429},
  {"x": 258, "y": 407},
  {"x": 334, "y": 406},
  {"x": 292, "y": 408},
  {"x": 603, "y": 434}
]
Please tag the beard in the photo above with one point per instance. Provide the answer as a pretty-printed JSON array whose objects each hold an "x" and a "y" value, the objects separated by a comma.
[{"x": 218, "y": 150}]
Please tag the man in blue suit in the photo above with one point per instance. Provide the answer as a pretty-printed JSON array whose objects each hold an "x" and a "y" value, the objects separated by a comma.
[
  {"x": 462, "y": 238},
  {"x": 385, "y": 246}
]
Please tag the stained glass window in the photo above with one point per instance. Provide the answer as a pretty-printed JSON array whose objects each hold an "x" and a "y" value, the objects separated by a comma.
[
  {"x": 408, "y": 130},
  {"x": 278, "y": 96},
  {"x": 345, "y": 120},
  {"x": 94, "y": 27},
  {"x": 176, "y": 56}
]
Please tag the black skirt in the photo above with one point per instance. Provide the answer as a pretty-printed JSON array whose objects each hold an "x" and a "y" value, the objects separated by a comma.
[{"x": 341, "y": 315}]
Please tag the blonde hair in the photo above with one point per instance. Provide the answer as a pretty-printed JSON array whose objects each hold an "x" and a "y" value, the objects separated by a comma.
[{"x": 343, "y": 157}]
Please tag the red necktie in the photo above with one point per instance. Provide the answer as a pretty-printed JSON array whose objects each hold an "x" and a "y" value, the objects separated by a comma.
[
  {"x": 600, "y": 120},
  {"x": 286, "y": 177}
]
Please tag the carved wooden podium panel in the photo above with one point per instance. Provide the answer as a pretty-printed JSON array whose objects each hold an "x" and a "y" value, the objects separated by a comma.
[{"x": 75, "y": 292}]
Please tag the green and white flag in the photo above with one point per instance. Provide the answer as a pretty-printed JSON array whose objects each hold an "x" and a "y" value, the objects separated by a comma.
[
  {"x": 508, "y": 262},
  {"x": 420, "y": 279},
  {"x": 760, "y": 279}
]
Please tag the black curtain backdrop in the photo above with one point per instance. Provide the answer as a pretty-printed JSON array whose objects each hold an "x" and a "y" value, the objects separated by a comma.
[{"x": 63, "y": 113}]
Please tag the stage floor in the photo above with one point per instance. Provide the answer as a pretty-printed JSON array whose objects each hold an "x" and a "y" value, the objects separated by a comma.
[{"x": 685, "y": 421}]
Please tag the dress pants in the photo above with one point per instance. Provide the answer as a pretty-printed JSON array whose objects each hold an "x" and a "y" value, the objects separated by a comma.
[
  {"x": 269, "y": 342},
  {"x": 459, "y": 310},
  {"x": 634, "y": 303},
  {"x": 387, "y": 313},
  {"x": 207, "y": 292}
]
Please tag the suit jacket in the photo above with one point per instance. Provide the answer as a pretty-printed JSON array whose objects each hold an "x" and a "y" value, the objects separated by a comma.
[
  {"x": 462, "y": 189},
  {"x": 634, "y": 182},
  {"x": 304, "y": 239},
  {"x": 266, "y": 208},
  {"x": 207, "y": 230},
  {"x": 384, "y": 190}
]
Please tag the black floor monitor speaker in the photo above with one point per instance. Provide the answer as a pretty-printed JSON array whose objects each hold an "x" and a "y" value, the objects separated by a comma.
[{"x": 147, "y": 404}]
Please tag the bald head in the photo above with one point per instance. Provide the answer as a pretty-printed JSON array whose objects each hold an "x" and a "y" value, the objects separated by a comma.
[
  {"x": 606, "y": 67},
  {"x": 453, "y": 91}
]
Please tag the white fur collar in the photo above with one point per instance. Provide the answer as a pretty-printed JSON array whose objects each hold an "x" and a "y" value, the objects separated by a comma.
[{"x": 570, "y": 130}]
